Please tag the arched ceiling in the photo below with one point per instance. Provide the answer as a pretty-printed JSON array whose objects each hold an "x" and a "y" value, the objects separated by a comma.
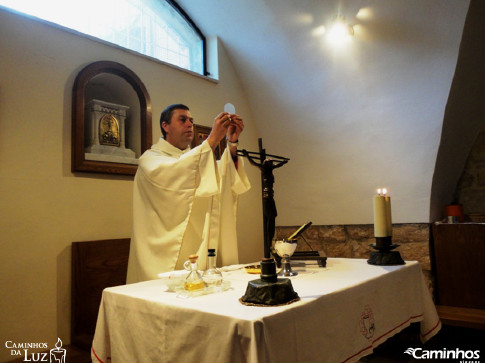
[{"x": 351, "y": 118}]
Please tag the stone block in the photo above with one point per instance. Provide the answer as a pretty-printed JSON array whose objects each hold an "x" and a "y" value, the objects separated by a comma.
[
  {"x": 360, "y": 231},
  {"x": 361, "y": 248},
  {"x": 334, "y": 233},
  {"x": 338, "y": 250},
  {"x": 412, "y": 232},
  {"x": 416, "y": 251}
]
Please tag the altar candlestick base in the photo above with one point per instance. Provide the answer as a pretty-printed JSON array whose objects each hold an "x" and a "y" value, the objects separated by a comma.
[
  {"x": 269, "y": 290},
  {"x": 384, "y": 256},
  {"x": 268, "y": 270}
]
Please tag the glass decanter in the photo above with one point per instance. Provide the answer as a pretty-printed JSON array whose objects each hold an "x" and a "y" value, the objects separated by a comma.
[
  {"x": 212, "y": 276},
  {"x": 193, "y": 281}
]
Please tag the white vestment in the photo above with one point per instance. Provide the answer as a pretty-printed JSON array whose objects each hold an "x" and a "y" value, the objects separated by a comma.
[{"x": 183, "y": 203}]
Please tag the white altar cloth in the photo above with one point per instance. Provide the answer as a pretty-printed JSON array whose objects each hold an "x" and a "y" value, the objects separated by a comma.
[{"x": 346, "y": 310}]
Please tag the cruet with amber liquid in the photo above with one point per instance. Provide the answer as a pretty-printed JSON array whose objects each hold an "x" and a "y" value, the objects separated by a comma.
[{"x": 193, "y": 281}]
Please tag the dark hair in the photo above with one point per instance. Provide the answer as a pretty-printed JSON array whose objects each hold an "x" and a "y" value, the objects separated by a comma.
[{"x": 166, "y": 115}]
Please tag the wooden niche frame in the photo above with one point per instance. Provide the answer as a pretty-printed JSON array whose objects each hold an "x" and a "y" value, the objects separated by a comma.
[
  {"x": 79, "y": 162},
  {"x": 201, "y": 133}
]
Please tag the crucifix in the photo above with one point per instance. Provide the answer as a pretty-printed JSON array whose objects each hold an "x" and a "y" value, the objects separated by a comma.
[
  {"x": 266, "y": 163},
  {"x": 269, "y": 289}
]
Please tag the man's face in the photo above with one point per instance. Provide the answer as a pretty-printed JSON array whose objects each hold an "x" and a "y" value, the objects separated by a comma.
[{"x": 180, "y": 130}]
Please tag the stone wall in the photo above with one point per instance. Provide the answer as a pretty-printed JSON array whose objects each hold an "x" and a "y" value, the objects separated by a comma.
[
  {"x": 470, "y": 191},
  {"x": 352, "y": 241}
]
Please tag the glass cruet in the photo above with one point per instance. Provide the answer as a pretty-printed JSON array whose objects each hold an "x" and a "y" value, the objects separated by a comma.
[
  {"x": 193, "y": 281},
  {"x": 212, "y": 276}
]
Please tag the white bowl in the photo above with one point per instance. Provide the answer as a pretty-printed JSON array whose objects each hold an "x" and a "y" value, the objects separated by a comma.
[
  {"x": 285, "y": 248},
  {"x": 174, "y": 279}
]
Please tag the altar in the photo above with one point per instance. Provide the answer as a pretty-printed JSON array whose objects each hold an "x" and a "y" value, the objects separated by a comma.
[{"x": 345, "y": 310}]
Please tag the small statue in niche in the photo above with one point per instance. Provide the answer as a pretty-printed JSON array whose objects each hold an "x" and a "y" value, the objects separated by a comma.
[
  {"x": 109, "y": 131},
  {"x": 105, "y": 136}
]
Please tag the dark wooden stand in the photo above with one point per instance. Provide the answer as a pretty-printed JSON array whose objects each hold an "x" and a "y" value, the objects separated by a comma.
[
  {"x": 458, "y": 253},
  {"x": 96, "y": 265},
  {"x": 318, "y": 256}
]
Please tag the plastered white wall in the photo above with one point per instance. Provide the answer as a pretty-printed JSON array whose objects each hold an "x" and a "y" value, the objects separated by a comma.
[{"x": 44, "y": 207}]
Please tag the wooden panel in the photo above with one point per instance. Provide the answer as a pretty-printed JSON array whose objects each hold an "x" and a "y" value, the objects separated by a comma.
[
  {"x": 464, "y": 317},
  {"x": 459, "y": 250},
  {"x": 96, "y": 265}
]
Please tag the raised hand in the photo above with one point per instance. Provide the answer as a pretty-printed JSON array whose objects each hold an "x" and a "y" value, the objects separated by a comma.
[
  {"x": 235, "y": 128},
  {"x": 219, "y": 129}
]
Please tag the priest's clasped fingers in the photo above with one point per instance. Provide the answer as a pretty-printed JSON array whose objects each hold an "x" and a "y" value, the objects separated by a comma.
[
  {"x": 235, "y": 128},
  {"x": 219, "y": 129},
  {"x": 221, "y": 123}
]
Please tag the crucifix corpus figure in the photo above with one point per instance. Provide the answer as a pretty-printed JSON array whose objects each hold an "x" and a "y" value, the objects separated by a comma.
[{"x": 267, "y": 163}]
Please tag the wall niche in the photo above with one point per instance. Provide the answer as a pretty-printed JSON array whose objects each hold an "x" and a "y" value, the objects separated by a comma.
[{"x": 111, "y": 119}]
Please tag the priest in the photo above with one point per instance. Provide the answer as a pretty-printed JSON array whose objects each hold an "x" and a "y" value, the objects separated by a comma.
[{"x": 185, "y": 202}]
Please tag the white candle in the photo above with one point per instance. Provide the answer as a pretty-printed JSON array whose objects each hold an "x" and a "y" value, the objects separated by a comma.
[
  {"x": 387, "y": 199},
  {"x": 382, "y": 214}
]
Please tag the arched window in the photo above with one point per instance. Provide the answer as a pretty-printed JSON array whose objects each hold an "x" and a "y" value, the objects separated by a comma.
[{"x": 156, "y": 28}]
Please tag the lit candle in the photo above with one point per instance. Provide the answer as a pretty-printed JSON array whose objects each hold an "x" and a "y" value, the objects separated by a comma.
[
  {"x": 387, "y": 199},
  {"x": 382, "y": 214}
]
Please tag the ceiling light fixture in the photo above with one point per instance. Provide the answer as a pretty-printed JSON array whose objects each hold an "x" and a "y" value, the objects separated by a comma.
[{"x": 339, "y": 31}]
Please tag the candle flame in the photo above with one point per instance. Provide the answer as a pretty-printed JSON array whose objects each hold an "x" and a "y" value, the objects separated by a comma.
[
  {"x": 59, "y": 343},
  {"x": 382, "y": 192}
]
